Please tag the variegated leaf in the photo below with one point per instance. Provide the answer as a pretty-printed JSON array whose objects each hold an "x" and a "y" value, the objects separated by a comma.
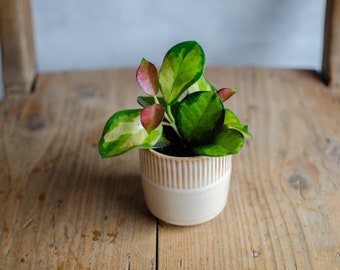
[
  {"x": 182, "y": 66},
  {"x": 124, "y": 131},
  {"x": 147, "y": 77},
  {"x": 152, "y": 116},
  {"x": 226, "y": 93}
]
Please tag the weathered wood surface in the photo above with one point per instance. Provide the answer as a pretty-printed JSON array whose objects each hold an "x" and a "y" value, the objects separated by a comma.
[
  {"x": 283, "y": 208},
  {"x": 331, "y": 56},
  {"x": 18, "y": 55},
  {"x": 63, "y": 207}
]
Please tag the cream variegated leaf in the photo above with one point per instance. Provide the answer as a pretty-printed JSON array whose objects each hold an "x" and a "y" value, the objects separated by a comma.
[{"x": 124, "y": 131}]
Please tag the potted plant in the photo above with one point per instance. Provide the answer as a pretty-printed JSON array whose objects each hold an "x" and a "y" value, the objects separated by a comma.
[{"x": 186, "y": 137}]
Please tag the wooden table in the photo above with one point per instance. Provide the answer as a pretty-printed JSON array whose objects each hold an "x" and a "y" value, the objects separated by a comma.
[{"x": 63, "y": 207}]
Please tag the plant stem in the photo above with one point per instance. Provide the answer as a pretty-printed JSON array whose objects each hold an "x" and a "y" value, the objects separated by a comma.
[
  {"x": 169, "y": 113},
  {"x": 172, "y": 121},
  {"x": 156, "y": 99}
]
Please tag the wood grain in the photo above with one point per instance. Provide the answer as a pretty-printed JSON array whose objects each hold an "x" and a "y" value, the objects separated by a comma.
[
  {"x": 330, "y": 69},
  {"x": 61, "y": 205},
  {"x": 333, "y": 37},
  {"x": 18, "y": 55},
  {"x": 283, "y": 208}
]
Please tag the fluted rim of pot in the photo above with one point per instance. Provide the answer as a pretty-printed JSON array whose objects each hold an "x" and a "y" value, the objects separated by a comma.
[
  {"x": 183, "y": 172},
  {"x": 193, "y": 158}
]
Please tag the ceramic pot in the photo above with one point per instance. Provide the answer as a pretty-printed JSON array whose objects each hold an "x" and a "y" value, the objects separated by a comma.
[{"x": 184, "y": 190}]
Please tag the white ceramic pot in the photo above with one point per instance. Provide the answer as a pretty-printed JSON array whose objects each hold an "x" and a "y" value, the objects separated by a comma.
[{"x": 184, "y": 190}]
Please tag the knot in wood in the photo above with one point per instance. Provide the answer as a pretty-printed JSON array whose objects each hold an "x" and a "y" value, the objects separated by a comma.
[
  {"x": 298, "y": 182},
  {"x": 35, "y": 122}
]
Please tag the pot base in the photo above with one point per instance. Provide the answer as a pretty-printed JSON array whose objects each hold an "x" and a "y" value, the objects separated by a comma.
[
  {"x": 186, "y": 207},
  {"x": 185, "y": 191}
]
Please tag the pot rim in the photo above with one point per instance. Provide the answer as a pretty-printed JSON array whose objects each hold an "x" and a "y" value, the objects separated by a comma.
[{"x": 194, "y": 158}]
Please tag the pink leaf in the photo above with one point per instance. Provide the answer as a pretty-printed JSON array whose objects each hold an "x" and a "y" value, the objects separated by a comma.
[
  {"x": 147, "y": 77},
  {"x": 226, "y": 93},
  {"x": 151, "y": 116}
]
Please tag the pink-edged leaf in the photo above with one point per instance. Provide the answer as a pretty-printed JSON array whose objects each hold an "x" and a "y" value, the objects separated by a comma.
[
  {"x": 151, "y": 116},
  {"x": 226, "y": 93},
  {"x": 147, "y": 77}
]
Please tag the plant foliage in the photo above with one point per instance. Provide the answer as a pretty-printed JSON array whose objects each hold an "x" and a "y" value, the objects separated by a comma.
[{"x": 188, "y": 119}]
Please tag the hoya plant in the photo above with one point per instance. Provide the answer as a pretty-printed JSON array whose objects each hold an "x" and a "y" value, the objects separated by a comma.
[{"x": 181, "y": 113}]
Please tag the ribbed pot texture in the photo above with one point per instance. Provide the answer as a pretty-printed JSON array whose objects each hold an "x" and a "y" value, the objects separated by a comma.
[{"x": 184, "y": 190}]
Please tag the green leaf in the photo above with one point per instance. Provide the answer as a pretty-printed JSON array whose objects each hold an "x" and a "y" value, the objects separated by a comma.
[
  {"x": 226, "y": 142},
  {"x": 231, "y": 120},
  {"x": 182, "y": 66},
  {"x": 124, "y": 131},
  {"x": 200, "y": 116},
  {"x": 145, "y": 101},
  {"x": 162, "y": 142},
  {"x": 201, "y": 85}
]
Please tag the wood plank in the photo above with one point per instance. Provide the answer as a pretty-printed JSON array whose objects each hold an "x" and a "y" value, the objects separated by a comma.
[
  {"x": 18, "y": 55},
  {"x": 283, "y": 208},
  {"x": 61, "y": 205},
  {"x": 331, "y": 51},
  {"x": 335, "y": 45}
]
